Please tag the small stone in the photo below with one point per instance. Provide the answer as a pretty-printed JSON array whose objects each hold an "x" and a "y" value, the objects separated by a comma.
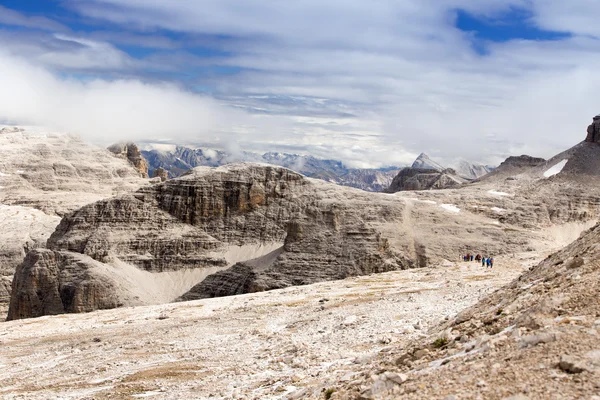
[
  {"x": 534, "y": 340},
  {"x": 298, "y": 394},
  {"x": 395, "y": 377},
  {"x": 420, "y": 353},
  {"x": 571, "y": 365}
]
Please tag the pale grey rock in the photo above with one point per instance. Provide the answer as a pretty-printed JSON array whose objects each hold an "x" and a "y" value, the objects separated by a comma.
[
  {"x": 423, "y": 161},
  {"x": 132, "y": 153},
  {"x": 59, "y": 282},
  {"x": 160, "y": 173},
  {"x": 424, "y": 179},
  {"x": 534, "y": 340},
  {"x": 42, "y": 177},
  {"x": 471, "y": 171}
]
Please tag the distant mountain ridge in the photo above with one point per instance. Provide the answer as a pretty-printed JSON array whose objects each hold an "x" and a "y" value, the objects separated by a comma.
[
  {"x": 463, "y": 168},
  {"x": 182, "y": 159}
]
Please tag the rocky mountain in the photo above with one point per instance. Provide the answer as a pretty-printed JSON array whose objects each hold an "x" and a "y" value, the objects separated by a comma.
[
  {"x": 535, "y": 338},
  {"x": 514, "y": 166},
  {"x": 255, "y": 228},
  {"x": 44, "y": 176},
  {"x": 471, "y": 171},
  {"x": 424, "y": 179},
  {"x": 179, "y": 159},
  {"x": 442, "y": 330},
  {"x": 464, "y": 169},
  {"x": 423, "y": 161},
  {"x": 131, "y": 152}
]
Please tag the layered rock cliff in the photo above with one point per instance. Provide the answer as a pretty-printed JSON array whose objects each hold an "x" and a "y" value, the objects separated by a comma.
[
  {"x": 42, "y": 177},
  {"x": 256, "y": 227},
  {"x": 194, "y": 221},
  {"x": 424, "y": 179},
  {"x": 132, "y": 153}
]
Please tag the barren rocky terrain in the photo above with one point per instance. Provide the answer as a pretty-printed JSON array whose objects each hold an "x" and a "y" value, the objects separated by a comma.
[
  {"x": 287, "y": 343},
  {"x": 340, "y": 293},
  {"x": 43, "y": 176}
]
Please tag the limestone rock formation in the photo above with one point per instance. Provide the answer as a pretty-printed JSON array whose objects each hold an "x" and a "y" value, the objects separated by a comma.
[
  {"x": 57, "y": 173},
  {"x": 335, "y": 246},
  {"x": 132, "y": 153},
  {"x": 472, "y": 171},
  {"x": 593, "y": 131},
  {"x": 423, "y": 161},
  {"x": 424, "y": 179},
  {"x": 42, "y": 177},
  {"x": 160, "y": 173},
  {"x": 60, "y": 282},
  {"x": 514, "y": 166},
  {"x": 308, "y": 231}
]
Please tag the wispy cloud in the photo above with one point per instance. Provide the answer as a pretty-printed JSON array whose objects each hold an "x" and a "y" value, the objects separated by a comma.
[
  {"x": 372, "y": 83},
  {"x": 15, "y": 18}
]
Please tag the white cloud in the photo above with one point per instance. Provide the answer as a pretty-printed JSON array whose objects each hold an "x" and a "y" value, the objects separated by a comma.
[
  {"x": 372, "y": 83},
  {"x": 15, "y": 18},
  {"x": 101, "y": 110}
]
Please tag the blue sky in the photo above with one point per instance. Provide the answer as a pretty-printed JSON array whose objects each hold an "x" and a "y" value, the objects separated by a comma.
[{"x": 371, "y": 83}]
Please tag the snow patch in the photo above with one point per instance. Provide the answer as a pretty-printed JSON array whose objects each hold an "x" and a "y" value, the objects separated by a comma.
[
  {"x": 495, "y": 193},
  {"x": 20, "y": 172},
  {"x": 555, "y": 169},
  {"x": 2, "y": 174},
  {"x": 498, "y": 209},
  {"x": 450, "y": 207}
]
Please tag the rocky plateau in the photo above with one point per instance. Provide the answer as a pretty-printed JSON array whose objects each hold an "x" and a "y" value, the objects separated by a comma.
[{"x": 251, "y": 281}]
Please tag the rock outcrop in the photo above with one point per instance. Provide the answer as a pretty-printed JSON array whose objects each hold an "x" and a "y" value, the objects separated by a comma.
[
  {"x": 193, "y": 221},
  {"x": 60, "y": 282},
  {"x": 424, "y": 179},
  {"x": 308, "y": 230},
  {"x": 472, "y": 171},
  {"x": 160, "y": 173},
  {"x": 514, "y": 166},
  {"x": 333, "y": 246},
  {"x": 593, "y": 131},
  {"x": 423, "y": 161},
  {"x": 132, "y": 153},
  {"x": 42, "y": 177}
]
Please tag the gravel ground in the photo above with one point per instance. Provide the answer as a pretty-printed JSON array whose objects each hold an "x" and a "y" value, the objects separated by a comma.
[{"x": 289, "y": 343}]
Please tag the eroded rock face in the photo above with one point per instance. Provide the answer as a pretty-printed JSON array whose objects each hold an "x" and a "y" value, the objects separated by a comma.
[
  {"x": 191, "y": 222},
  {"x": 183, "y": 222},
  {"x": 333, "y": 244},
  {"x": 160, "y": 173},
  {"x": 593, "y": 131},
  {"x": 59, "y": 282},
  {"x": 310, "y": 230},
  {"x": 132, "y": 153},
  {"x": 42, "y": 177},
  {"x": 5, "y": 289},
  {"x": 424, "y": 179}
]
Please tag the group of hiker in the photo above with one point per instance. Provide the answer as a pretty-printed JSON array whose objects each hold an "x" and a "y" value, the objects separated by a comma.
[{"x": 485, "y": 261}]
